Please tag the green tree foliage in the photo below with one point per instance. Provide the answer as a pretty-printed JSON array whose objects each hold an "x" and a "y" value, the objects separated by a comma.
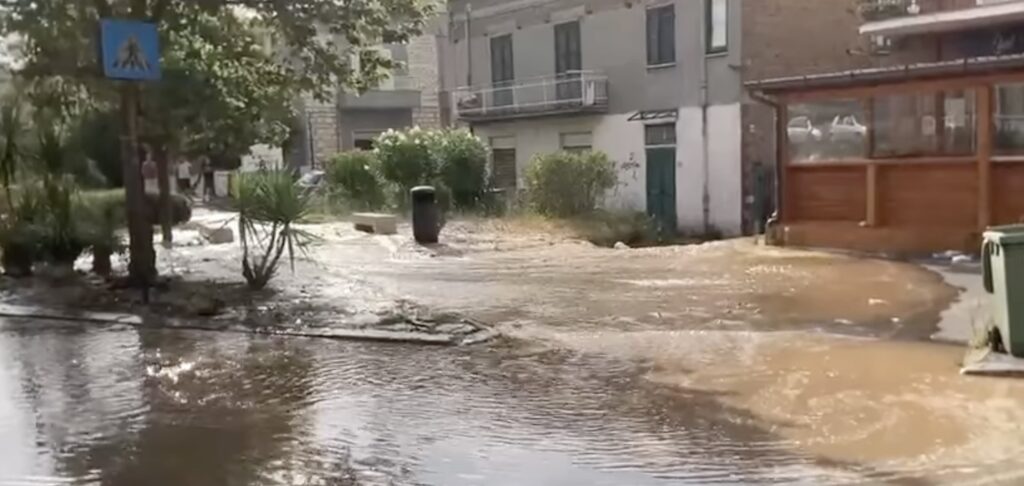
[
  {"x": 353, "y": 177},
  {"x": 566, "y": 184},
  {"x": 231, "y": 68}
]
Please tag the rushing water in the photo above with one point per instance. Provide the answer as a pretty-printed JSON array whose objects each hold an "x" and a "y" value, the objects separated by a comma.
[
  {"x": 686, "y": 365},
  {"x": 124, "y": 407}
]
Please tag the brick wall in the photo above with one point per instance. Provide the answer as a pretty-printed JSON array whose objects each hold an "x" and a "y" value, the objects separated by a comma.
[{"x": 788, "y": 38}]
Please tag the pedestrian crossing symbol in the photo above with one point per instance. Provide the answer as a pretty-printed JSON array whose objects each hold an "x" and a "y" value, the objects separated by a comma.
[{"x": 130, "y": 50}]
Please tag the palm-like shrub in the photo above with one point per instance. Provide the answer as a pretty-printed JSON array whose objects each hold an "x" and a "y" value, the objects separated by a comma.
[{"x": 269, "y": 205}]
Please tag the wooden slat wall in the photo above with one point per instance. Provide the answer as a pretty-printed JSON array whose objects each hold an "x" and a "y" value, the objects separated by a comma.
[
  {"x": 929, "y": 195},
  {"x": 832, "y": 193},
  {"x": 1008, "y": 192}
]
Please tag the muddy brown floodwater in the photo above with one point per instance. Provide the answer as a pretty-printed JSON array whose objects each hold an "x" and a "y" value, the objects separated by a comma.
[{"x": 723, "y": 363}]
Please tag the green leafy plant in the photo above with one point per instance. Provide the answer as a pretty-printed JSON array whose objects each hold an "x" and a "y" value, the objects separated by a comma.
[
  {"x": 20, "y": 233},
  {"x": 566, "y": 184},
  {"x": 269, "y": 205},
  {"x": 104, "y": 218},
  {"x": 62, "y": 227},
  {"x": 353, "y": 177},
  {"x": 461, "y": 160}
]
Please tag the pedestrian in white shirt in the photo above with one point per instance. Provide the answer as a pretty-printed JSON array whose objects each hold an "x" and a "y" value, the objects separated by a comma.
[{"x": 184, "y": 170}]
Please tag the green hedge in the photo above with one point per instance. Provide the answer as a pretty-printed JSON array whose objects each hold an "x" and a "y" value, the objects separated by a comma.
[
  {"x": 567, "y": 184},
  {"x": 353, "y": 176}
]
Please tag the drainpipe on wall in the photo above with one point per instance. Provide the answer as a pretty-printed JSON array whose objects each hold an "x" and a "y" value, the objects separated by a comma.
[
  {"x": 704, "y": 98},
  {"x": 469, "y": 53},
  {"x": 469, "y": 45},
  {"x": 777, "y": 166}
]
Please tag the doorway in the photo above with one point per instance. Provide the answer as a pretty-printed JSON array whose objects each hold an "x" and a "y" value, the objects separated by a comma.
[{"x": 660, "y": 142}]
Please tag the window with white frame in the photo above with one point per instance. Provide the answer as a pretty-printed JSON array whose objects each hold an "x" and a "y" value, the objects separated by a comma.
[
  {"x": 717, "y": 25},
  {"x": 576, "y": 141},
  {"x": 661, "y": 35}
]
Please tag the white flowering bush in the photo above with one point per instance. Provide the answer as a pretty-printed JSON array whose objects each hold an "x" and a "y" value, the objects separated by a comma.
[{"x": 405, "y": 158}]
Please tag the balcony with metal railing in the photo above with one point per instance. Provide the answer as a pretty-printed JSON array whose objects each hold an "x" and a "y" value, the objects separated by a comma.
[
  {"x": 566, "y": 93},
  {"x": 913, "y": 17}
]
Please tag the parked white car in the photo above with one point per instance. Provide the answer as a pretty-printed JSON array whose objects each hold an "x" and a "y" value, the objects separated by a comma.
[
  {"x": 847, "y": 129},
  {"x": 801, "y": 130}
]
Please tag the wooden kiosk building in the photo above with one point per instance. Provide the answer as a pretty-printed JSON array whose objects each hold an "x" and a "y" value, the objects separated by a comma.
[{"x": 909, "y": 159}]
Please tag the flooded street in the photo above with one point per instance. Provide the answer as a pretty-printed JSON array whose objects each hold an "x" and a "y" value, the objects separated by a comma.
[
  {"x": 164, "y": 407},
  {"x": 723, "y": 363}
]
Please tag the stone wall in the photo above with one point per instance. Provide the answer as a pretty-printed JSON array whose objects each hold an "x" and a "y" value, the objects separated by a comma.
[
  {"x": 321, "y": 121},
  {"x": 424, "y": 72}
]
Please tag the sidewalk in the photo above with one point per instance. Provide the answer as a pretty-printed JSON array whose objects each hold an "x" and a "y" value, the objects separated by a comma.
[{"x": 970, "y": 311}]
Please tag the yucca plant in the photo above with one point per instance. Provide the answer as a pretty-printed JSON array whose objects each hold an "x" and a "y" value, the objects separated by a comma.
[
  {"x": 269, "y": 205},
  {"x": 63, "y": 229}
]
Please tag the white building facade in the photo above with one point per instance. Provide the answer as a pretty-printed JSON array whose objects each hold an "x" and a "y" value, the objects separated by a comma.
[{"x": 654, "y": 84}]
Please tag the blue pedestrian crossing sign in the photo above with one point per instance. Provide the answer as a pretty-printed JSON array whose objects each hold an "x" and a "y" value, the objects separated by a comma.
[{"x": 130, "y": 50}]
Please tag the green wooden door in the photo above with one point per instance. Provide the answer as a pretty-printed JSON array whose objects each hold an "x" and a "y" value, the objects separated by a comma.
[{"x": 661, "y": 188}]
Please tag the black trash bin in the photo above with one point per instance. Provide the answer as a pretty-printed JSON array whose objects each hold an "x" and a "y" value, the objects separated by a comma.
[{"x": 425, "y": 223}]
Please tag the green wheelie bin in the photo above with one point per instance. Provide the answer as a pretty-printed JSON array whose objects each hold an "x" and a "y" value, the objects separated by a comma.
[{"x": 1003, "y": 261}]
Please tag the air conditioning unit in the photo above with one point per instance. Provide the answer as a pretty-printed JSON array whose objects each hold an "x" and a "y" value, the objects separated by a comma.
[{"x": 881, "y": 44}]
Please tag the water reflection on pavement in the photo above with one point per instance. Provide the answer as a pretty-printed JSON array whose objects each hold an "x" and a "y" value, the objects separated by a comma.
[{"x": 122, "y": 407}]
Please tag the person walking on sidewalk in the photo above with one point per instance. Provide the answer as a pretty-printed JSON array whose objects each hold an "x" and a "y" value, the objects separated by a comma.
[
  {"x": 208, "y": 180},
  {"x": 149, "y": 172},
  {"x": 184, "y": 173}
]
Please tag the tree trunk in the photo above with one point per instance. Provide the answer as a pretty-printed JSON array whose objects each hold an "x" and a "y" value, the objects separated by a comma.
[
  {"x": 101, "y": 263},
  {"x": 163, "y": 162},
  {"x": 142, "y": 263}
]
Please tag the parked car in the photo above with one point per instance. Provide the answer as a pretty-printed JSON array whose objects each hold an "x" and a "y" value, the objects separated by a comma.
[
  {"x": 801, "y": 130},
  {"x": 847, "y": 129},
  {"x": 312, "y": 180}
]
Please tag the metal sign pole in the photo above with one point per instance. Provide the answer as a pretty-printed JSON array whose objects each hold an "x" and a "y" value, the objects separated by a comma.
[
  {"x": 142, "y": 257},
  {"x": 130, "y": 52}
]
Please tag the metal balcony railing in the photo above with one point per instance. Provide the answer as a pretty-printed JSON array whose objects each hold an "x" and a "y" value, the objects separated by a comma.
[
  {"x": 876, "y": 10},
  {"x": 570, "y": 92}
]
